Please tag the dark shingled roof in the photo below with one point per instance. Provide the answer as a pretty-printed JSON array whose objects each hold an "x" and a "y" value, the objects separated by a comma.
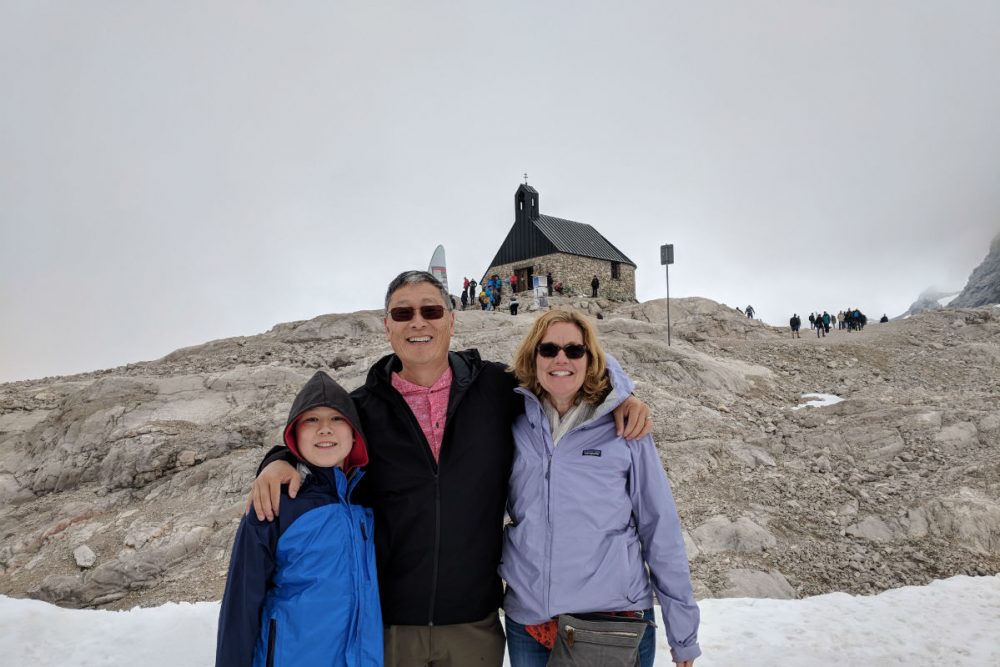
[{"x": 577, "y": 238}]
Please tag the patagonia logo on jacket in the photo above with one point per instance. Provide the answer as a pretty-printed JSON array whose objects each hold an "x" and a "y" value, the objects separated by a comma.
[{"x": 591, "y": 452}]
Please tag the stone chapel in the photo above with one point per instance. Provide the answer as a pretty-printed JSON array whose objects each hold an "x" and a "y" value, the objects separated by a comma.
[{"x": 574, "y": 252}]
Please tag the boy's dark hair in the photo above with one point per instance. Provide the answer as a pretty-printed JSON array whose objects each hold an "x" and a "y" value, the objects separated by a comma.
[{"x": 415, "y": 278}]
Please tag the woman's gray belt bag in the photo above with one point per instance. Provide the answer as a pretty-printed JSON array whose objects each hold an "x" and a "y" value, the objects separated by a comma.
[{"x": 597, "y": 640}]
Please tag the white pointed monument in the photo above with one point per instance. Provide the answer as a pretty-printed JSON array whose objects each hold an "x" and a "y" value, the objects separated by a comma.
[{"x": 437, "y": 267}]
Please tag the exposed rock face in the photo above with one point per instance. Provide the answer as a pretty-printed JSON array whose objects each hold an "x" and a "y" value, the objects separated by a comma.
[
  {"x": 125, "y": 486},
  {"x": 983, "y": 287}
]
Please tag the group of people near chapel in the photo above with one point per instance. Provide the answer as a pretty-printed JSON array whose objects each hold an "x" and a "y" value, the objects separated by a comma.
[{"x": 377, "y": 534}]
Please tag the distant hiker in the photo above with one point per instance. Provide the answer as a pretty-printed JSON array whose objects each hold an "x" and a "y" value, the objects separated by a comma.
[
  {"x": 812, "y": 320},
  {"x": 750, "y": 312},
  {"x": 826, "y": 322},
  {"x": 833, "y": 321},
  {"x": 513, "y": 282},
  {"x": 513, "y": 304},
  {"x": 855, "y": 320},
  {"x": 842, "y": 319},
  {"x": 548, "y": 280},
  {"x": 454, "y": 305},
  {"x": 313, "y": 571},
  {"x": 483, "y": 300},
  {"x": 795, "y": 322},
  {"x": 465, "y": 297},
  {"x": 472, "y": 290},
  {"x": 884, "y": 318},
  {"x": 820, "y": 329},
  {"x": 465, "y": 284},
  {"x": 558, "y": 287},
  {"x": 594, "y": 284}
]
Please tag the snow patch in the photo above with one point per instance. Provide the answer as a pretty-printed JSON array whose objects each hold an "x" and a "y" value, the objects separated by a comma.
[
  {"x": 946, "y": 299},
  {"x": 818, "y": 401},
  {"x": 951, "y": 621}
]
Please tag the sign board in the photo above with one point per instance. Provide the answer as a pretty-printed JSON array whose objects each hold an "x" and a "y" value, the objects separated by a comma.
[
  {"x": 541, "y": 292},
  {"x": 667, "y": 254}
]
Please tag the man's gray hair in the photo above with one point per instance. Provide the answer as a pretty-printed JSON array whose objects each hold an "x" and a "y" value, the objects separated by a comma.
[{"x": 415, "y": 278}]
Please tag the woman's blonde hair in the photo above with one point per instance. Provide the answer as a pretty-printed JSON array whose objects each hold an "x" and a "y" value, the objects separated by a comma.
[{"x": 595, "y": 383}]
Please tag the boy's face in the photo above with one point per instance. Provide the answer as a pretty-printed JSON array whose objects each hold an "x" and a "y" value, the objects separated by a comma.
[{"x": 324, "y": 437}]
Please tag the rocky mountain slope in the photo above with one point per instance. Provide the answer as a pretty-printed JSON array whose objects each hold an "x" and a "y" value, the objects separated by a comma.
[
  {"x": 124, "y": 486},
  {"x": 983, "y": 287},
  {"x": 929, "y": 299}
]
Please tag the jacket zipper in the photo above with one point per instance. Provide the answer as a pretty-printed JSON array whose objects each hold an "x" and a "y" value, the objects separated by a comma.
[
  {"x": 548, "y": 513},
  {"x": 437, "y": 546},
  {"x": 271, "y": 639},
  {"x": 435, "y": 470}
]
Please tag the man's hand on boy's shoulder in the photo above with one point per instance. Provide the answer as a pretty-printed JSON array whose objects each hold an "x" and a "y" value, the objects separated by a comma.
[{"x": 265, "y": 495}]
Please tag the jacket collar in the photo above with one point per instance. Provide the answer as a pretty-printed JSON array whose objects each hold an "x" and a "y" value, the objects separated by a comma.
[
  {"x": 334, "y": 478},
  {"x": 465, "y": 367}
]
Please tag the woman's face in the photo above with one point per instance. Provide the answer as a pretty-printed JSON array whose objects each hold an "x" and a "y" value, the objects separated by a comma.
[{"x": 560, "y": 376}]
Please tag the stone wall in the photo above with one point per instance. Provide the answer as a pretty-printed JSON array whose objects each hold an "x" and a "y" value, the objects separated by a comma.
[{"x": 576, "y": 272}]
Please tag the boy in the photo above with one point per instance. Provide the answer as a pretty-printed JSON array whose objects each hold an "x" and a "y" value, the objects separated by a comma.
[{"x": 302, "y": 590}]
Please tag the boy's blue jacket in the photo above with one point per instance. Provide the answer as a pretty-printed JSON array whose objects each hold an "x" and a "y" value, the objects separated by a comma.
[{"x": 302, "y": 590}]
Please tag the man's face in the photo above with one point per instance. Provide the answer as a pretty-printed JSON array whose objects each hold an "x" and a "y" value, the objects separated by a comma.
[{"x": 420, "y": 342}]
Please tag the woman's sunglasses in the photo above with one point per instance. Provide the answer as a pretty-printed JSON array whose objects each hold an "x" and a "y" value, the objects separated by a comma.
[
  {"x": 550, "y": 350},
  {"x": 405, "y": 313}
]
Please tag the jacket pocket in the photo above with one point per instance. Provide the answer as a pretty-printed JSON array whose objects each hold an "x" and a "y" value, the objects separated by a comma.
[
  {"x": 272, "y": 636},
  {"x": 637, "y": 576},
  {"x": 366, "y": 525}
]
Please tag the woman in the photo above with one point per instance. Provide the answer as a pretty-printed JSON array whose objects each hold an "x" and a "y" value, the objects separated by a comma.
[{"x": 589, "y": 510}]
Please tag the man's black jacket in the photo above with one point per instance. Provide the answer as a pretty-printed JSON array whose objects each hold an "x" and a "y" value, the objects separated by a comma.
[{"x": 438, "y": 526}]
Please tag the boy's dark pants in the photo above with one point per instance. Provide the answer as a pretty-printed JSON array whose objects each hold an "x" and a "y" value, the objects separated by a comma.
[{"x": 479, "y": 643}]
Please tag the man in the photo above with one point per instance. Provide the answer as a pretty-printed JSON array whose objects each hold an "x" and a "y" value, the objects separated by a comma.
[
  {"x": 594, "y": 284},
  {"x": 440, "y": 452}
]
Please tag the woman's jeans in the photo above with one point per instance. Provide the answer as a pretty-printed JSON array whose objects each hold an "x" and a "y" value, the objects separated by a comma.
[{"x": 524, "y": 651}]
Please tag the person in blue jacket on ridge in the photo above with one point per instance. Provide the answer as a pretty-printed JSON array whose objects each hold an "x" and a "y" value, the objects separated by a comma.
[{"x": 302, "y": 590}]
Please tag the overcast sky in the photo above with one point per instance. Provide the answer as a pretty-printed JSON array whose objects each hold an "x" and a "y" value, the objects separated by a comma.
[{"x": 175, "y": 172}]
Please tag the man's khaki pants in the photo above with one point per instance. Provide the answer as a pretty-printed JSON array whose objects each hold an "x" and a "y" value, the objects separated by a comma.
[{"x": 479, "y": 643}]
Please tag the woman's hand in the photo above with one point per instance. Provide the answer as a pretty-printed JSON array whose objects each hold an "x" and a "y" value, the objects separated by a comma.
[
  {"x": 633, "y": 419},
  {"x": 265, "y": 496}
]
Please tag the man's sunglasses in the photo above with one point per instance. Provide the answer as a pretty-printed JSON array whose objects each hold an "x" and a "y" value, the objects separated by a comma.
[
  {"x": 405, "y": 313},
  {"x": 550, "y": 350}
]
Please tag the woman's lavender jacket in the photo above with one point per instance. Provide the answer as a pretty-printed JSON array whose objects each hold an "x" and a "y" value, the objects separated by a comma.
[{"x": 587, "y": 517}]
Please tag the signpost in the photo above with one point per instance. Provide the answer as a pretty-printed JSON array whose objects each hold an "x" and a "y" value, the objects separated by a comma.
[
  {"x": 666, "y": 259},
  {"x": 541, "y": 289}
]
